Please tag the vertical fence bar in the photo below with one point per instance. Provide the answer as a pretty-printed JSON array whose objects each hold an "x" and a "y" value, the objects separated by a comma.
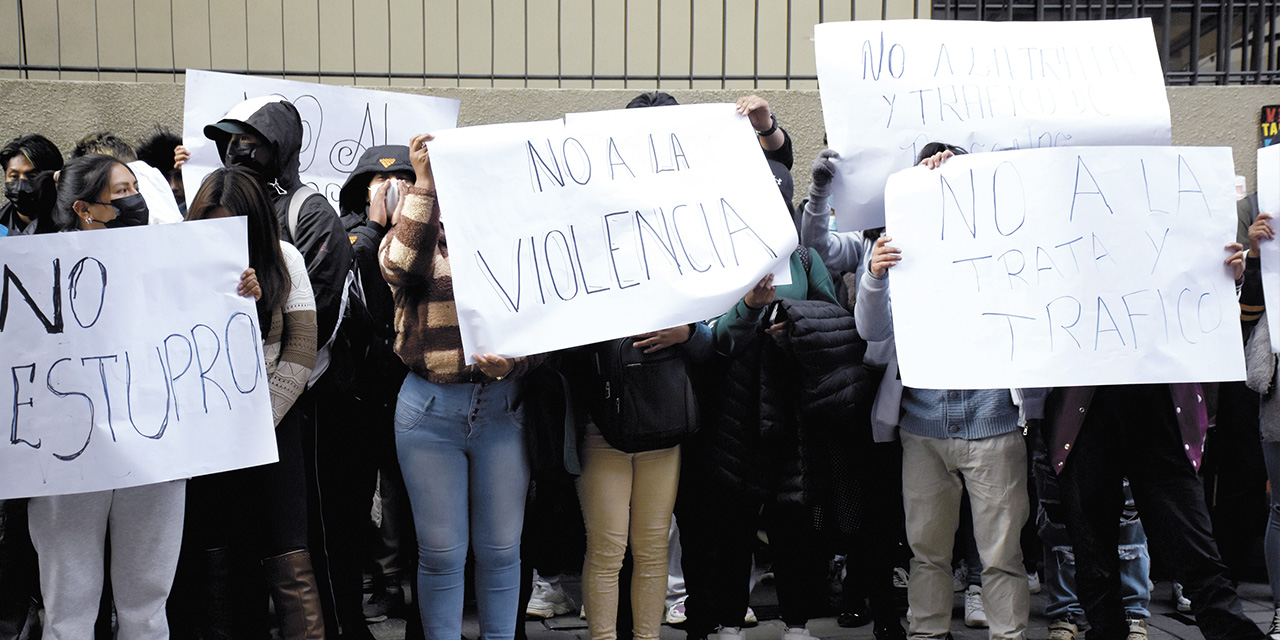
[
  {"x": 354, "y": 81},
  {"x": 560, "y": 44},
  {"x": 755, "y": 45},
  {"x": 1194, "y": 45},
  {"x": 658, "y": 16},
  {"x": 724, "y": 39},
  {"x": 1226, "y": 34},
  {"x": 1166, "y": 38},
  {"x": 788, "y": 44},
  {"x": 691, "y": 40},
  {"x": 593, "y": 44},
  {"x": 493, "y": 42},
  {"x": 23, "y": 60}
]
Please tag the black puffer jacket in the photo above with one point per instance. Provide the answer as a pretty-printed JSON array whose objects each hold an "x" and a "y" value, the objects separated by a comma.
[{"x": 781, "y": 405}]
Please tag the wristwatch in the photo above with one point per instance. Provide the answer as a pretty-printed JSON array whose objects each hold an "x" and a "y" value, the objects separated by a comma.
[{"x": 768, "y": 132}]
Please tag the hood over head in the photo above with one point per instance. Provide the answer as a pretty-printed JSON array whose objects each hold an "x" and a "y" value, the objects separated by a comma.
[
  {"x": 271, "y": 118},
  {"x": 391, "y": 158}
]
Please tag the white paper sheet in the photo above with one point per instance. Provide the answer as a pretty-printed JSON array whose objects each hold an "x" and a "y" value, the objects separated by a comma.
[
  {"x": 605, "y": 225},
  {"x": 130, "y": 359},
  {"x": 888, "y": 88},
  {"x": 339, "y": 123},
  {"x": 1269, "y": 250},
  {"x": 1065, "y": 267}
]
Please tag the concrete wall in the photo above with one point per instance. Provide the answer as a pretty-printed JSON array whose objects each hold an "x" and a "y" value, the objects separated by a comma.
[{"x": 66, "y": 110}]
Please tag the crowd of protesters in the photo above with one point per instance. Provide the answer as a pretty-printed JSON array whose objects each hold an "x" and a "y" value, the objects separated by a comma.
[{"x": 409, "y": 472}]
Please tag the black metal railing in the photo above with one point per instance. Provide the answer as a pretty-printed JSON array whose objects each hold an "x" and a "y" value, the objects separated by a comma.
[
  {"x": 1222, "y": 42},
  {"x": 1200, "y": 42}
]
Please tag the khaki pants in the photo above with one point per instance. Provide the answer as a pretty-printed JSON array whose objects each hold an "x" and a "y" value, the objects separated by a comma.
[
  {"x": 994, "y": 472},
  {"x": 626, "y": 495}
]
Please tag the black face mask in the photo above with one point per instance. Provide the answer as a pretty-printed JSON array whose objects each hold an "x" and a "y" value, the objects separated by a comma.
[
  {"x": 131, "y": 211},
  {"x": 23, "y": 195},
  {"x": 246, "y": 155}
]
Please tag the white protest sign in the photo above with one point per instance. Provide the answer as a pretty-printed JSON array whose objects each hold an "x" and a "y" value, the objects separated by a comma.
[
  {"x": 132, "y": 360},
  {"x": 339, "y": 123},
  {"x": 1269, "y": 251},
  {"x": 1066, "y": 267},
  {"x": 889, "y": 88},
  {"x": 606, "y": 224}
]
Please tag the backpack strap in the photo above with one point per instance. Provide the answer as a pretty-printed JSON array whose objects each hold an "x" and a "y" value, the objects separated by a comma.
[{"x": 296, "y": 201}]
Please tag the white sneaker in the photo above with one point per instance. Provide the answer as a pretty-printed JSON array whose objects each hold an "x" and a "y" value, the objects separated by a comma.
[
  {"x": 900, "y": 577},
  {"x": 959, "y": 577},
  {"x": 1183, "y": 603},
  {"x": 974, "y": 615},
  {"x": 1063, "y": 629},
  {"x": 1033, "y": 582},
  {"x": 548, "y": 601},
  {"x": 675, "y": 613},
  {"x": 730, "y": 633},
  {"x": 796, "y": 633},
  {"x": 1137, "y": 629},
  {"x": 1274, "y": 632},
  {"x": 749, "y": 618}
]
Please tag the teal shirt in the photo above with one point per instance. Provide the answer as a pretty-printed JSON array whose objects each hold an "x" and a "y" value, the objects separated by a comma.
[{"x": 735, "y": 331}]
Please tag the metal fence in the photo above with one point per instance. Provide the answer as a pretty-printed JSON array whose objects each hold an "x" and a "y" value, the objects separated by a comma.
[
  {"x": 1200, "y": 42},
  {"x": 557, "y": 43}
]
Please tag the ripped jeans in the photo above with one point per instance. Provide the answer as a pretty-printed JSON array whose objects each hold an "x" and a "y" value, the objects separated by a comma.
[{"x": 1059, "y": 584}]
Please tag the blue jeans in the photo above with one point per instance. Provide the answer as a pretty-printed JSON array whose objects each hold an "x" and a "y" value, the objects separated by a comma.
[
  {"x": 1271, "y": 544},
  {"x": 462, "y": 451},
  {"x": 1135, "y": 567},
  {"x": 1061, "y": 600}
]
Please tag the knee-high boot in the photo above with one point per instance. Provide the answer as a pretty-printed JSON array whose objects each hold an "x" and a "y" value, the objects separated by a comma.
[{"x": 297, "y": 598}]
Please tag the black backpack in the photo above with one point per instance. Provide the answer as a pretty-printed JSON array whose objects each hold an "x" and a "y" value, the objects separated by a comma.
[{"x": 641, "y": 402}]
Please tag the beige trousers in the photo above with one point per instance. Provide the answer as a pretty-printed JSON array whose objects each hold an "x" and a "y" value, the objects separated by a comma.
[
  {"x": 626, "y": 496},
  {"x": 994, "y": 472}
]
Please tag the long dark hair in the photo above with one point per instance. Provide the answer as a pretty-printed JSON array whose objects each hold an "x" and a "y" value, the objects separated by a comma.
[
  {"x": 83, "y": 178},
  {"x": 237, "y": 191}
]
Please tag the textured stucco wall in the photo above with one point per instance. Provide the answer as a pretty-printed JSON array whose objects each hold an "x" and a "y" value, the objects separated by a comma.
[{"x": 65, "y": 110}]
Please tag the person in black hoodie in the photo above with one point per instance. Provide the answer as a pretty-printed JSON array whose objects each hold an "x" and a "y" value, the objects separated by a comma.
[
  {"x": 264, "y": 135},
  {"x": 367, "y": 214}
]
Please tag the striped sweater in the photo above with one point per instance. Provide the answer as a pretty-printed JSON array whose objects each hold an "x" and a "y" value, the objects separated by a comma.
[{"x": 414, "y": 257}]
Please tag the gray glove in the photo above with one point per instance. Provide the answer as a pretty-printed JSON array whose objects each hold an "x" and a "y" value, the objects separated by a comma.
[{"x": 824, "y": 170}]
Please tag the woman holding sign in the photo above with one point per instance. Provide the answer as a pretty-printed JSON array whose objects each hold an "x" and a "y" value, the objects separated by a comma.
[
  {"x": 145, "y": 522},
  {"x": 272, "y": 498},
  {"x": 459, "y": 428}
]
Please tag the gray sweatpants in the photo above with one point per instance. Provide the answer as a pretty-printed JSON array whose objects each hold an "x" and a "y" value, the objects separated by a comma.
[{"x": 69, "y": 533}]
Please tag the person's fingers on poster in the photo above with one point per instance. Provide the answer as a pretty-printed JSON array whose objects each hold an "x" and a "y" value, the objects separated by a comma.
[
  {"x": 934, "y": 161},
  {"x": 421, "y": 160},
  {"x": 884, "y": 256},
  {"x": 655, "y": 341},
  {"x": 1258, "y": 231},
  {"x": 180, "y": 156},
  {"x": 249, "y": 287},
  {"x": 757, "y": 110},
  {"x": 1235, "y": 259},
  {"x": 761, "y": 294},
  {"x": 494, "y": 366}
]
